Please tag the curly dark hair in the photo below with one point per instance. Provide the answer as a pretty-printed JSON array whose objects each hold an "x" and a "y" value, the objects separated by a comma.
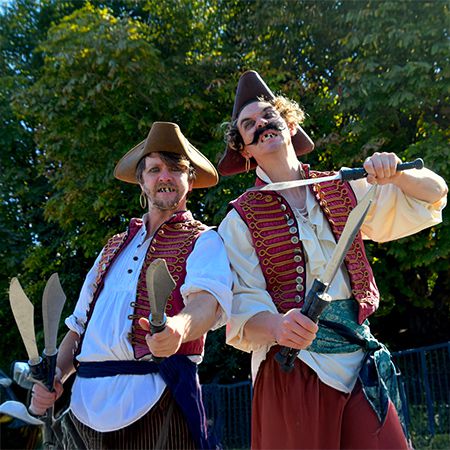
[{"x": 288, "y": 109}]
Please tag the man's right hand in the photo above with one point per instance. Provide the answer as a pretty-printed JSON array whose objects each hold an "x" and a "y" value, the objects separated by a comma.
[
  {"x": 295, "y": 330},
  {"x": 42, "y": 398}
]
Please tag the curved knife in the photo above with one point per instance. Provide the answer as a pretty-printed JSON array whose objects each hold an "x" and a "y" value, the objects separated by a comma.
[
  {"x": 23, "y": 311},
  {"x": 160, "y": 284},
  {"x": 53, "y": 300}
]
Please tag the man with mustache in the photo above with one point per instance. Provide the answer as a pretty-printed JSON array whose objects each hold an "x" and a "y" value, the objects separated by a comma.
[
  {"x": 278, "y": 242},
  {"x": 121, "y": 398}
]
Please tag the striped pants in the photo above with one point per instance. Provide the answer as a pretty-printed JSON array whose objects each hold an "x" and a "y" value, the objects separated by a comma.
[{"x": 163, "y": 427}]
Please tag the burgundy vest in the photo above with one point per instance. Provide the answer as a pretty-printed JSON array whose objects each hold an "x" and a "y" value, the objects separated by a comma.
[
  {"x": 276, "y": 240},
  {"x": 174, "y": 241}
]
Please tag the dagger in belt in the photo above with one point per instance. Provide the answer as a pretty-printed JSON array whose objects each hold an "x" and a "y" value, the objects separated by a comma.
[{"x": 160, "y": 284}]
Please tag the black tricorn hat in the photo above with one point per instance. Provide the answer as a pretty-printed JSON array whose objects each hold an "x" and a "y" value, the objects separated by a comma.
[{"x": 250, "y": 88}]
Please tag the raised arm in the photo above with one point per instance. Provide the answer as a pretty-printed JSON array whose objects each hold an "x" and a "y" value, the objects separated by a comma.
[{"x": 421, "y": 184}]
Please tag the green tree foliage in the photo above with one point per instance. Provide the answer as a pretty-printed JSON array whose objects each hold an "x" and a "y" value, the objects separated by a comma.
[
  {"x": 394, "y": 96},
  {"x": 81, "y": 82},
  {"x": 24, "y": 190}
]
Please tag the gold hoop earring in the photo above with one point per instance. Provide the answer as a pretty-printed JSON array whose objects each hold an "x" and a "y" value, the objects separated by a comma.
[
  {"x": 247, "y": 165},
  {"x": 143, "y": 200}
]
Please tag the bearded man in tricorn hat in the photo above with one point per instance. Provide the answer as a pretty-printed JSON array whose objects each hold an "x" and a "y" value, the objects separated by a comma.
[
  {"x": 278, "y": 243},
  {"x": 121, "y": 398}
]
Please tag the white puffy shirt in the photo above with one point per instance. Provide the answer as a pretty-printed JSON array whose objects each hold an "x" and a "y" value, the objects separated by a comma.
[
  {"x": 110, "y": 403},
  {"x": 393, "y": 216}
]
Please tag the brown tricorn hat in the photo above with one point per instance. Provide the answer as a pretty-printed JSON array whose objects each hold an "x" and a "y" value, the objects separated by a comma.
[
  {"x": 252, "y": 87},
  {"x": 167, "y": 137}
]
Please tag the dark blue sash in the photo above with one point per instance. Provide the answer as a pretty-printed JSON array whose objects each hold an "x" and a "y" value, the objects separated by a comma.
[{"x": 180, "y": 375}]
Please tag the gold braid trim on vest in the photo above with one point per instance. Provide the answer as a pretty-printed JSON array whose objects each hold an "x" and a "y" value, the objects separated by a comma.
[
  {"x": 174, "y": 243},
  {"x": 337, "y": 200},
  {"x": 273, "y": 228},
  {"x": 275, "y": 237}
]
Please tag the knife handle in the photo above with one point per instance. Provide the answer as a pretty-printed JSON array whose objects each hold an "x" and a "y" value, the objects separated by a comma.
[
  {"x": 37, "y": 371},
  {"x": 360, "y": 172},
  {"x": 49, "y": 369},
  {"x": 157, "y": 328},
  {"x": 315, "y": 303}
]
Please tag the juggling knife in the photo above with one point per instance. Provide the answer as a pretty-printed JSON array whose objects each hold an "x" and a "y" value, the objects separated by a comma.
[
  {"x": 53, "y": 301},
  {"x": 160, "y": 284},
  {"x": 344, "y": 174},
  {"x": 23, "y": 311}
]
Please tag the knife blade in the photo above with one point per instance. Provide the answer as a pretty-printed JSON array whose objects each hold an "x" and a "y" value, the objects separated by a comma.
[
  {"x": 344, "y": 174},
  {"x": 351, "y": 229},
  {"x": 53, "y": 300},
  {"x": 317, "y": 299},
  {"x": 160, "y": 284},
  {"x": 18, "y": 410},
  {"x": 23, "y": 311}
]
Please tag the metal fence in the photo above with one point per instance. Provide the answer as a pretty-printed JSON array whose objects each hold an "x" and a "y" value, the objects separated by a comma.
[
  {"x": 228, "y": 408},
  {"x": 426, "y": 382}
]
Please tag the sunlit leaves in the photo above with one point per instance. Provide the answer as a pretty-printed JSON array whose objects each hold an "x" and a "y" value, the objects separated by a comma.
[{"x": 81, "y": 83}]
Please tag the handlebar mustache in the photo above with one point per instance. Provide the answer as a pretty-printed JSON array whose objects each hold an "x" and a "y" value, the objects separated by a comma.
[{"x": 277, "y": 125}]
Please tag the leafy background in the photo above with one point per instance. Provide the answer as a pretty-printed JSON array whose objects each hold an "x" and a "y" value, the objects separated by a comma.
[{"x": 81, "y": 83}]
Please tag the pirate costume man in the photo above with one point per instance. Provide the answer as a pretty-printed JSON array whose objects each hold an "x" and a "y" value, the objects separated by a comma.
[
  {"x": 121, "y": 398},
  {"x": 278, "y": 242}
]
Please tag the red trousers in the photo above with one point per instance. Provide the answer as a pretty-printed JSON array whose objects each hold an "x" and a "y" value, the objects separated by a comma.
[{"x": 297, "y": 411}]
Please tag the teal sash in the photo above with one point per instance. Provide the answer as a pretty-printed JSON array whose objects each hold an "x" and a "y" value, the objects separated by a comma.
[{"x": 339, "y": 332}]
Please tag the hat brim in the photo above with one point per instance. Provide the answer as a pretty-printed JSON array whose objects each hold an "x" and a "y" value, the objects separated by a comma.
[
  {"x": 233, "y": 163},
  {"x": 251, "y": 88},
  {"x": 167, "y": 137}
]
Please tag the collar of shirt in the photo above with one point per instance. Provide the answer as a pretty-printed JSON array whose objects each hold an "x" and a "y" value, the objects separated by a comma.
[{"x": 261, "y": 174}]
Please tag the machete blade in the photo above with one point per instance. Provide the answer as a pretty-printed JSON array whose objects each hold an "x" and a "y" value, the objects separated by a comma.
[
  {"x": 53, "y": 300},
  {"x": 160, "y": 284},
  {"x": 23, "y": 311}
]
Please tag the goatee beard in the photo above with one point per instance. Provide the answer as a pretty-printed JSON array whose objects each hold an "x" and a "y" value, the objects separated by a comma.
[{"x": 166, "y": 206}]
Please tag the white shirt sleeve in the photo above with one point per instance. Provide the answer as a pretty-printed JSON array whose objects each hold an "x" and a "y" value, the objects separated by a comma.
[
  {"x": 77, "y": 320},
  {"x": 395, "y": 215},
  {"x": 208, "y": 269},
  {"x": 250, "y": 294}
]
